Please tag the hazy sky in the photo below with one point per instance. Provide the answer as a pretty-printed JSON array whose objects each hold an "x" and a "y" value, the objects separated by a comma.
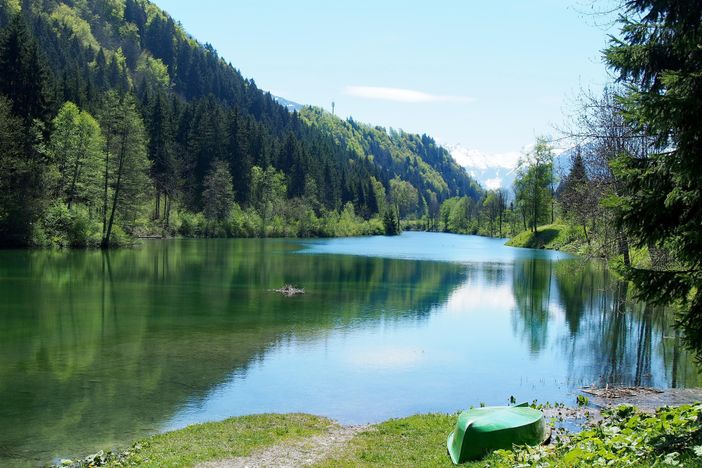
[{"x": 489, "y": 75}]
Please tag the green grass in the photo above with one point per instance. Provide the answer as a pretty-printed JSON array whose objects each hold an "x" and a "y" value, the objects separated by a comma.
[
  {"x": 549, "y": 236},
  {"x": 235, "y": 437},
  {"x": 623, "y": 437},
  {"x": 418, "y": 440}
]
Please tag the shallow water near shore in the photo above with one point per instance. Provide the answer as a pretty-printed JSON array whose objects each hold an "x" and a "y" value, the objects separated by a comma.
[{"x": 100, "y": 348}]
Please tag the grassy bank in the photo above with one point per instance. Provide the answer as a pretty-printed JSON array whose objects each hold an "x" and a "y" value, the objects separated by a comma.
[
  {"x": 550, "y": 236},
  {"x": 622, "y": 437},
  {"x": 571, "y": 239},
  {"x": 234, "y": 437}
]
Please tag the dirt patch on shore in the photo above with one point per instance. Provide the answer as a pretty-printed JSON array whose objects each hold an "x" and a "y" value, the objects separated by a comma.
[
  {"x": 311, "y": 450},
  {"x": 646, "y": 399},
  {"x": 299, "y": 452}
]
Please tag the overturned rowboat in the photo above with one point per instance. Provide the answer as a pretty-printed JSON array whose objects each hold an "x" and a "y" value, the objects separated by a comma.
[{"x": 481, "y": 430}]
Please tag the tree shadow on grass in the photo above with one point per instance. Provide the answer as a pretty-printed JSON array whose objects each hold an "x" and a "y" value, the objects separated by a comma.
[{"x": 541, "y": 238}]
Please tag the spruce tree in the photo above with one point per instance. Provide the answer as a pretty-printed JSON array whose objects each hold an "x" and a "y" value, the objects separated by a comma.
[
  {"x": 218, "y": 193},
  {"x": 659, "y": 58},
  {"x": 23, "y": 73}
]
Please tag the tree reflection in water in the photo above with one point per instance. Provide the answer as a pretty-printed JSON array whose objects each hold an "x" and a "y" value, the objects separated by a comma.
[{"x": 610, "y": 338}]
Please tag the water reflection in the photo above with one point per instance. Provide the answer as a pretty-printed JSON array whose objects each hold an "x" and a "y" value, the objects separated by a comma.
[
  {"x": 97, "y": 349},
  {"x": 609, "y": 338}
]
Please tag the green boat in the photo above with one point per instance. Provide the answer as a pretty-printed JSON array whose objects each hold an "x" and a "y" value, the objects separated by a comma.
[{"x": 482, "y": 430}]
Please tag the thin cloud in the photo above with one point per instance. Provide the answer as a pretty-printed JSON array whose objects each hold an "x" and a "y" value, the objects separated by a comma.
[{"x": 401, "y": 95}]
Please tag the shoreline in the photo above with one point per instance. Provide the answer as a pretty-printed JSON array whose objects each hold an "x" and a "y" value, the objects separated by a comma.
[{"x": 306, "y": 440}]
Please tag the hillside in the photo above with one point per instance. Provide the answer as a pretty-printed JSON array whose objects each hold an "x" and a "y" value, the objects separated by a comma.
[{"x": 201, "y": 119}]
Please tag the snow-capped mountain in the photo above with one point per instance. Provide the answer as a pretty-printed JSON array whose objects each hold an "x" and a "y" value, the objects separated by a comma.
[
  {"x": 292, "y": 106},
  {"x": 491, "y": 170},
  {"x": 498, "y": 170}
]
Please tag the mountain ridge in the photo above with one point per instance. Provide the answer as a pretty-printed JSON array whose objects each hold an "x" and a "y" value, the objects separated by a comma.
[
  {"x": 146, "y": 46},
  {"x": 199, "y": 111}
]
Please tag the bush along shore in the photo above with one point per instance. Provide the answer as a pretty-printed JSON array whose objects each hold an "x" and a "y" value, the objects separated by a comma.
[{"x": 617, "y": 436}]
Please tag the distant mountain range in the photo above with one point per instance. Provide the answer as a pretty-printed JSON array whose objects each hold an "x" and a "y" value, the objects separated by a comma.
[
  {"x": 290, "y": 105},
  {"x": 490, "y": 170},
  {"x": 499, "y": 170}
]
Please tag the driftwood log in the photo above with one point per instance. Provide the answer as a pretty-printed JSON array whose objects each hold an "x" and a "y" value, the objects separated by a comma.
[
  {"x": 290, "y": 290},
  {"x": 620, "y": 392}
]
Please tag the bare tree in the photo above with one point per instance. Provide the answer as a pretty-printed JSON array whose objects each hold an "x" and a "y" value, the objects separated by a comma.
[{"x": 602, "y": 134}]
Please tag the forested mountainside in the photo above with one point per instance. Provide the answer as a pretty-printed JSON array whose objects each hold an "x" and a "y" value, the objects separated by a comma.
[{"x": 115, "y": 122}]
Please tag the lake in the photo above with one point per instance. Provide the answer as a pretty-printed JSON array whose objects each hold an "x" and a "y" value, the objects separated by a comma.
[{"x": 98, "y": 349}]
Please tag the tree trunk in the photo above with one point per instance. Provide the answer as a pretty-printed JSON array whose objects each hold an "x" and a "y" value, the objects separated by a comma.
[
  {"x": 167, "y": 209},
  {"x": 104, "y": 197},
  {"x": 587, "y": 238},
  {"x": 624, "y": 250},
  {"x": 72, "y": 192},
  {"x": 106, "y": 238},
  {"x": 76, "y": 173},
  {"x": 157, "y": 211}
]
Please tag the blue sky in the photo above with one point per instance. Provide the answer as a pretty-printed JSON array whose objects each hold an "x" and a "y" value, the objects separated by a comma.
[{"x": 488, "y": 75}]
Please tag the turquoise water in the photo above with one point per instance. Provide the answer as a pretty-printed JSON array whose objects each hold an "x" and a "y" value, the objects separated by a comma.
[{"x": 98, "y": 349}]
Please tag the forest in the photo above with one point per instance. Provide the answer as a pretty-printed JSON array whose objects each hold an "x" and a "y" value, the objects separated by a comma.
[
  {"x": 632, "y": 193},
  {"x": 116, "y": 124}
]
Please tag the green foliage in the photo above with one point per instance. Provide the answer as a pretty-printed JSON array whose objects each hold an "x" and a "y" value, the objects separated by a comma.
[
  {"x": 195, "y": 109},
  {"x": 416, "y": 159},
  {"x": 77, "y": 150},
  {"x": 111, "y": 10},
  {"x": 126, "y": 168},
  {"x": 24, "y": 177},
  {"x": 391, "y": 222},
  {"x": 68, "y": 18},
  {"x": 191, "y": 225},
  {"x": 549, "y": 236},
  {"x": 24, "y": 78},
  {"x": 218, "y": 196},
  {"x": 488, "y": 216},
  {"x": 153, "y": 72},
  {"x": 64, "y": 227},
  {"x": 623, "y": 437},
  {"x": 533, "y": 185},
  {"x": 14, "y": 6},
  {"x": 404, "y": 196},
  {"x": 460, "y": 216},
  {"x": 268, "y": 192},
  {"x": 10, "y": 161},
  {"x": 658, "y": 58}
]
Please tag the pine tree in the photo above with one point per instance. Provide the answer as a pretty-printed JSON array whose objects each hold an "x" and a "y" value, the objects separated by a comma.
[
  {"x": 23, "y": 73},
  {"x": 25, "y": 94},
  {"x": 164, "y": 169},
  {"x": 218, "y": 194},
  {"x": 17, "y": 212}
]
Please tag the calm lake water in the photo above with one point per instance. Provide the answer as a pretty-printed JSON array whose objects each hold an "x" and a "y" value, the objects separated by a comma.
[{"x": 97, "y": 349}]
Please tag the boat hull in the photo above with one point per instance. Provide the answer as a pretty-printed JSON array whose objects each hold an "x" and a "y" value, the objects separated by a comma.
[{"x": 479, "y": 431}]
